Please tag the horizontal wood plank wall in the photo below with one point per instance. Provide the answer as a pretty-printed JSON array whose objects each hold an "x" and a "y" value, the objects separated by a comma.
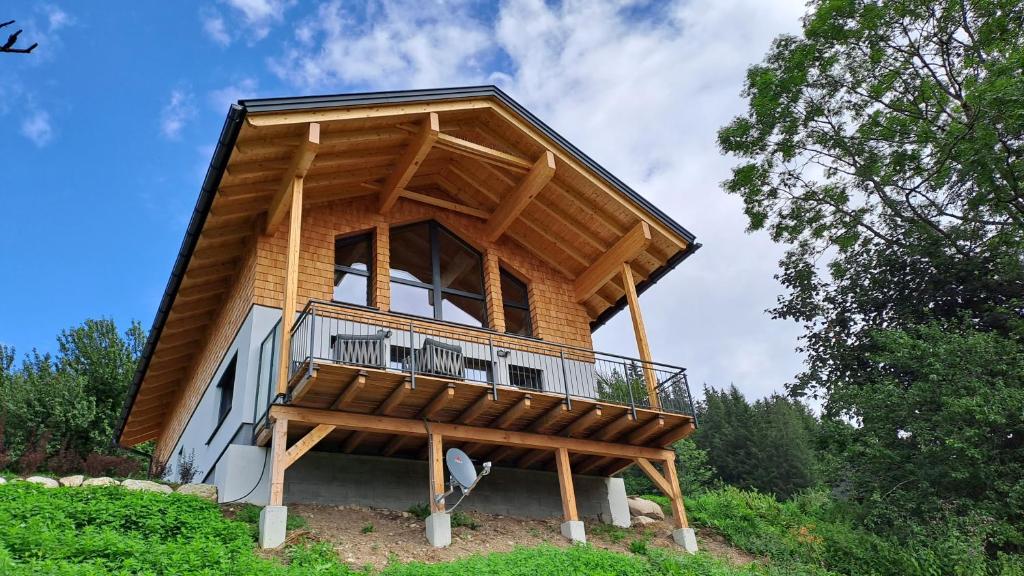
[
  {"x": 221, "y": 332},
  {"x": 556, "y": 315}
]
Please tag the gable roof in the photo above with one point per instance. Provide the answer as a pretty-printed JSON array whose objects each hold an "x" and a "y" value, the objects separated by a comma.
[{"x": 249, "y": 115}]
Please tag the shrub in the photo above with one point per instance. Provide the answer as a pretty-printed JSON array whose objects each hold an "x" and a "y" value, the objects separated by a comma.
[
  {"x": 367, "y": 528},
  {"x": 97, "y": 464},
  {"x": 462, "y": 519},
  {"x": 34, "y": 455},
  {"x": 420, "y": 511},
  {"x": 187, "y": 470},
  {"x": 65, "y": 461}
]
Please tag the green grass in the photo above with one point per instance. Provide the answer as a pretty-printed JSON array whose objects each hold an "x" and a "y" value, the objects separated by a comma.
[
  {"x": 109, "y": 530},
  {"x": 609, "y": 532},
  {"x": 250, "y": 514},
  {"x": 112, "y": 531},
  {"x": 367, "y": 528}
]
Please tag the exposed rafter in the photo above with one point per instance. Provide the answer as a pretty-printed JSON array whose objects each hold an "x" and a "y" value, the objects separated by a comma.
[
  {"x": 512, "y": 206},
  {"x": 408, "y": 162},
  {"x": 302, "y": 158},
  {"x": 627, "y": 248}
]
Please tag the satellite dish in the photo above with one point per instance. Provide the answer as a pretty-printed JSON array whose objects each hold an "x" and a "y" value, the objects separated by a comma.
[{"x": 463, "y": 474}]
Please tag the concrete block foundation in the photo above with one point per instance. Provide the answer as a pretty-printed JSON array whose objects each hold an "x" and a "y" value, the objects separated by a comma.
[
  {"x": 273, "y": 525},
  {"x": 614, "y": 508},
  {"x": 686, "y": 538},
  {"x": 573, "y": 530},
  {"x": 439, "y": 529},
  {"x": 397, "y": 484}
]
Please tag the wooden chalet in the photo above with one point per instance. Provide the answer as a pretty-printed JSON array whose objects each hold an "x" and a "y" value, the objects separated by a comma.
[{"x": 443, "y": 258}]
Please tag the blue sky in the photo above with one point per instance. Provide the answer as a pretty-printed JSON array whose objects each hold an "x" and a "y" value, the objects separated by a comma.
[{"x": 108, "y": 126}]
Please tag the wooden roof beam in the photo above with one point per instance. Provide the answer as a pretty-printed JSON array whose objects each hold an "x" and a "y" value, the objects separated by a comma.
[
  {"x": 302, "y": 158},
  {"x": 408, "y": 162},
  {"x": 511, "y": 207},
  {"x": 453, "y": 206},
  {"x": 610, "y": 263}
]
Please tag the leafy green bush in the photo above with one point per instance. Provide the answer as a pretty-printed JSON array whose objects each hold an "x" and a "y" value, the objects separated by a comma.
[
  {"x": 808, "y": 532},
  {"x": 463, "y": 519},
  {"x": 420, "y": 511}
]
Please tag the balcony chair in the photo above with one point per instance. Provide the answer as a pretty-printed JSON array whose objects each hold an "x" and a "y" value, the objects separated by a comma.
[{"x": 361, "y": 350}]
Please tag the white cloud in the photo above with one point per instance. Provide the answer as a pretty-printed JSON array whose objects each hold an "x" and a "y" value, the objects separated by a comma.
[
  {"x": 213, "y": 26},
  {"x": 176, "y": 113},
  {"x": 395, "y": 44},
  {"x": 255, "y": 18},
  {"x": 222, "y": 98},
  {"x": 642, "y": 88},
  {"x": 36, "y": 127},
  {"x": 57, "y": 18}
]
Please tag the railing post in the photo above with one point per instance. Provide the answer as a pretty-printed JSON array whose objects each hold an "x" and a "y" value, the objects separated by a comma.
[
  {"x": 412, "y": 354},
  {"x": 629, "y": 389},
  {"x": 494, "y": 368},
  {"x": 689, "y": 398},
  {"x": 312, "y": 339},
  {"x": 565, "y": 379}
]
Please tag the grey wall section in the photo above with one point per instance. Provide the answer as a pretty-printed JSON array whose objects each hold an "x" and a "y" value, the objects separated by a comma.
[
  {"x": 397, "y": 484},
  {"x": 199, "y": 438}
]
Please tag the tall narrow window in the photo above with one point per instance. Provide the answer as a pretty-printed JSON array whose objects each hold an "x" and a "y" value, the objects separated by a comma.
[
  {"x": 226, "y": 389},
  {"x": 352, "y": 269},
  {"x": 516, "y": 304},
  {"x": 435, "y": 274}
]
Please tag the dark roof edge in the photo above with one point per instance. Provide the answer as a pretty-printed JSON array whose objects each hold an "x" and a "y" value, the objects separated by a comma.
[
  {"x": 262, "y": 105},
  {"x": 643, "y": 286},
  {"x": 214, "y": 173}
]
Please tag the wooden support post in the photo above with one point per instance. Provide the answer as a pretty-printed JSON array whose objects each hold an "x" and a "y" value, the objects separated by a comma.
[
  {"x": 641, "y": 336},
  {"x": 382, "y": 262},
  {"x": 565, "y": 485},
  {"x": 278, "y": 461},
  {"x": 678, "y": 509},
  {"x": 435, "y": 462},
  {"x": 291, "y": 286}
]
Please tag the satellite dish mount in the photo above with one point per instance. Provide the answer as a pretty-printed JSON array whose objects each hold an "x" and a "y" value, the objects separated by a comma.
[{"x": 462, "y": 475}]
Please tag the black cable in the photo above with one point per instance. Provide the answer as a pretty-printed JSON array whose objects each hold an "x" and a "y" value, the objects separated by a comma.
[{"x": 266, "y": 457}]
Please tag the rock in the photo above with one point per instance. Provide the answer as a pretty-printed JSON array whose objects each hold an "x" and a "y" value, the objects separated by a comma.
[
  {"x": 101, "y": 481},
  {"x": 147, "y": 486},
  {"x": 3, "y": 480},
  {"x": 43, "y": 481},
  {"x": 72, "y": 481},
  {"x": 204, "y": 491},
  {"x": 643, "y": 521},
  {"x": 642, "y": 507}
]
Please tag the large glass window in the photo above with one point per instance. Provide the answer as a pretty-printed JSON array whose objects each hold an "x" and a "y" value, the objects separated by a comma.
[
  {"x": 516, "y": 304},
  {"x": 352, "y": 268},
  {"x": 435, "y": 274}
]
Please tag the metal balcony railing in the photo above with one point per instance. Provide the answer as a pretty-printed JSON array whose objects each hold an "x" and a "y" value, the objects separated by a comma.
[{"x": 329, "y": 332}]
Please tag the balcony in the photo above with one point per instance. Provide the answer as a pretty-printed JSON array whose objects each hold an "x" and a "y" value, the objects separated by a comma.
[{"x": 357, "y": 359}]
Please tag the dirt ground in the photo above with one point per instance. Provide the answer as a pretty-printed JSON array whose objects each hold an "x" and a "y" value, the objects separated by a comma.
[{"x": 364, "y": 536}]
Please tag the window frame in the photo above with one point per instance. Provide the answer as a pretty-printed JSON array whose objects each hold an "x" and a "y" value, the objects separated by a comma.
[
  {"x": 503, "y": 273},
  {"x": 349, "y": 239},
  {"x": 437, "y": 291},
  {"x": 223, "y": 384}
]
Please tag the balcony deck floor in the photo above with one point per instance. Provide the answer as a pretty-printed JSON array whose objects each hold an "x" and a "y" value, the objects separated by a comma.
[{"x": 443, "y": 400}]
